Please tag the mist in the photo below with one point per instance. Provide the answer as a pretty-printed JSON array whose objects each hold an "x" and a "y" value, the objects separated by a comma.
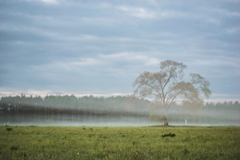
[{"x": 57, "y": 110}]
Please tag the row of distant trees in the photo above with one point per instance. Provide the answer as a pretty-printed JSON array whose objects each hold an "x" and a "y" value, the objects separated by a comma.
[
  {"x": 63, "y": 108},
  {"x": 70, "y": 107},
  {"x": 90, "y": 102},
  {"x": 71, "y": 102}
]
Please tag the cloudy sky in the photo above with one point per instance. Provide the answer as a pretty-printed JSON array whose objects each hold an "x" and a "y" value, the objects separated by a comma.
[{"x": 99, "y": 47}]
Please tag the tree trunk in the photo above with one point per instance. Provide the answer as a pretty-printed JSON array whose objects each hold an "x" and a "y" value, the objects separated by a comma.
[{"x": 165, "y": 121}]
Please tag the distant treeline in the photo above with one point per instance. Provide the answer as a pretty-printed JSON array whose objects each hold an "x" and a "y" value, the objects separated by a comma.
[
  {"x": 71, "y": 102},
  {"x": 70, "y": 108},
  {"x": 65, "y": 108}
]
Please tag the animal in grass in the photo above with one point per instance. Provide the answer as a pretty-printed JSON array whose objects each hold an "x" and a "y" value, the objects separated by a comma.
[
  {"x": 168, "y": 135},
  {"x": 9, "y": 129}
]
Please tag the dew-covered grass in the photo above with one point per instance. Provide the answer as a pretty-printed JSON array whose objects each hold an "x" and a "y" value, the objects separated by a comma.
[{"x": 64, "y": 143}]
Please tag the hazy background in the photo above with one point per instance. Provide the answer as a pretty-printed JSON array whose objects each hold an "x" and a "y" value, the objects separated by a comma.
[{"x": 99, "y": 47}]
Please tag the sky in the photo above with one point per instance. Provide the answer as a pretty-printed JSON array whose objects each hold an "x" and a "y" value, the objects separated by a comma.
[{"x": 100, "y": 47}]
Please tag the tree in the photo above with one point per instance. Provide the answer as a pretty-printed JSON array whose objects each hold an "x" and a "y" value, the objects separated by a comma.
[{"x": 166, "y": 87}]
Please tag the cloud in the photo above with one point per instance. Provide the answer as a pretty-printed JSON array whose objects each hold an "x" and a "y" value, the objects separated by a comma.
[
  {"x": 218, "y": 62},
  {"x": 137, "y": 12},
  {"x": 227, "y": 12},
  {"x": 213, "y": 21},
  {"x": 45, "y": 1},
  {"x": 86, "y": 62},
  {"x": 221, "y": 100},
  {"x": 101, "y": 60},
  {"x": 216, "y": 95},
  {"x": 233, "y": 30},
  {"x": 49, "y": 1},
  {"x": 134, "y": 58},
  {"x": 106, "y": 44},
  {"x": 8, "y": 92}
]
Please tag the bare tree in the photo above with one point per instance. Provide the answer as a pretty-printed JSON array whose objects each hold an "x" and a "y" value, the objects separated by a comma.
[{"x": 165, "y": 87}]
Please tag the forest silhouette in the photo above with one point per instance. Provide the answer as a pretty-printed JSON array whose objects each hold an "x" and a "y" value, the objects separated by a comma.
[{"x": 69, "y": 108}]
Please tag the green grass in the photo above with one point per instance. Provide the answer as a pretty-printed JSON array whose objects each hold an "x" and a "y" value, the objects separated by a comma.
[{"x": 119, "y": 143}]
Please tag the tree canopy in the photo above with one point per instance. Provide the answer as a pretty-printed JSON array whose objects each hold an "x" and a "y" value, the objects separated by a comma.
[{"x": 166, "y": 86}]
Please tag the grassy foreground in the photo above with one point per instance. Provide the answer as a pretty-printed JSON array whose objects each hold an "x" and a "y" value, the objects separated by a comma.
[{"x": 64, "y": 143}]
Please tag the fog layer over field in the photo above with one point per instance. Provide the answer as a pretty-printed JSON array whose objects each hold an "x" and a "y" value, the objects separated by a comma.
[{"x": 112, "y": 111}]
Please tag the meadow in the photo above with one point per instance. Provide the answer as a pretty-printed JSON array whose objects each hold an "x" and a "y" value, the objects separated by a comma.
[{"x": 135, "y": 143}]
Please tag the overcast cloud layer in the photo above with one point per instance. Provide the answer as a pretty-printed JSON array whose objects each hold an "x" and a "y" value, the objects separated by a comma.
[{"x": 100, "y": 47}]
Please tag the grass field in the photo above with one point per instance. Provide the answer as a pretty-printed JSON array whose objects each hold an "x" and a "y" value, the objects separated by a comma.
[{"x": 64, "y": 143}]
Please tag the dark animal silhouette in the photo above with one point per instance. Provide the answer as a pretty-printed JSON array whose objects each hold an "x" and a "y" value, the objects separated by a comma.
[
  {"x": 9, "y": 129},
  {"x": 168, "y": 135}
]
